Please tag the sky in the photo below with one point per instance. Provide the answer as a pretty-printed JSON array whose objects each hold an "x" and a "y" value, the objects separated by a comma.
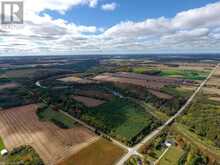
[{"x": 114, "y": 27}]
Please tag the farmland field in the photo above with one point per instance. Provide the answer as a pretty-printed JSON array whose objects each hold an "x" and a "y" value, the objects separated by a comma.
[
  {"x": 8, "y": 86},
  {"x": 75, "y": 79},
  {"x": 89, "y": 102},
  {"x": 121, "y": 119},
  {"x": 120, "y": 98},
  {"x": 147, "y": 81},
  {"x": 95, "y": 94},
  {"x": 20, "y": 126},
  {"x": 173, "y": 72},
  {"x": 101, "y": 152}
]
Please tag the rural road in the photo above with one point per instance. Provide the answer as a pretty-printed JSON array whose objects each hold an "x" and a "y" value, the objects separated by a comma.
[{"x": 158, "y": 130}]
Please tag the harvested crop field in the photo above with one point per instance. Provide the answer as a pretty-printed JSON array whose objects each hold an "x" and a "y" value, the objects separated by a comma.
[
  {"x": 102, "y": 152},
  {"x": 211, "y": 91},
  {"x": 20, "y": 126},
  {"x": 74, "y": 79},
  {"x": 151, "y": 82},
  {"x": 214, "y": 81},
  {"x": 8, "y": 86},
  {"x": 27, "y": 73},
  {"x": 161, "y": 94},
  {"x": 87, "y": 101},
  {"x": 95, "y": 94},
  {"x": 215, "y": 98}
]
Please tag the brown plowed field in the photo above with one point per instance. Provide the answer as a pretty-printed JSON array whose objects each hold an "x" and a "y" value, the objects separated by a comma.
[
  {"x": 95, "y": 94},
  {"x": 160, "y": 94},
  {"x": 147, "y": 81},
  {"x": 8, "y": 86},
  {"x": 138, "y": 82},
  {"x": 87, "y": 101},
  {"x": 19, "y": 126}
]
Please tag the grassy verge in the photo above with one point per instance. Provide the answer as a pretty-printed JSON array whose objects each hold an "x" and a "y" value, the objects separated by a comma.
[
  {"x": 102, "y": 152},
  {"x": 172, "y": 156},
  {"x": 61, "y": 120}
]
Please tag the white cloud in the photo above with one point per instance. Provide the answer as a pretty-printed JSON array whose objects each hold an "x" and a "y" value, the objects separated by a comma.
[
  {"x": 109, "y": 6},
  {"x": 57, "y": 5},
  {"x": 192, "y": 30}
]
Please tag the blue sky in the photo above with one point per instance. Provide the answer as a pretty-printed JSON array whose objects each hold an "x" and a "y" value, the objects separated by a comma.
[
  {"x": 128, "y": 10},
  {"x": 114, "y": 26}
]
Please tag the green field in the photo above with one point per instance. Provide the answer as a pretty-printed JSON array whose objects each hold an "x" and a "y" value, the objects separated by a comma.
[
  {"x": 186, "y": 74},
  {"x": 120, "y": 118},
  {"x": 58, "y": 118},
  {"x": 2, "y": 146},
  {"x": 172, "y": 156},
  {"x": 102, "y": 152}
]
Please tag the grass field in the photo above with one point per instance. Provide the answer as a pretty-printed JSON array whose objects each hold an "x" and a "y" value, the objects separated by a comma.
[
  {"x": 186, "y": 74},
  {"x": 172, "y": 156},
  {"x": 120, "y": 118},
  {"x": 56, "y": 117},
  {"x": 2, "y": 146},
  {"x": 102, "y": 152}
]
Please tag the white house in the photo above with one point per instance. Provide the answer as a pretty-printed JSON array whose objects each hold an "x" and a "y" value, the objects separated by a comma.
[
  {"x": 168, "y": 143},
  {"x": 4, "y": 152}
]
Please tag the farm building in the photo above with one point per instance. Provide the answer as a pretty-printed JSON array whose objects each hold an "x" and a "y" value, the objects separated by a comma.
[{"x": 4, "y": 152}]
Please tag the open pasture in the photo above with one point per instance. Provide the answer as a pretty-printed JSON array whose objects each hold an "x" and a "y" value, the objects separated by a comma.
[{"x": 20, "y": 126}]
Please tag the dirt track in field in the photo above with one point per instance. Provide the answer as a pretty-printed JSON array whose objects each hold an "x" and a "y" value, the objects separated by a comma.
[{"x": 19, "y": 126}]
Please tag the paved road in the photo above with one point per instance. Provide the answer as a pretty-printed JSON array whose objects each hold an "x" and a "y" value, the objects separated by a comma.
[{"x": 158, "y": 130}]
